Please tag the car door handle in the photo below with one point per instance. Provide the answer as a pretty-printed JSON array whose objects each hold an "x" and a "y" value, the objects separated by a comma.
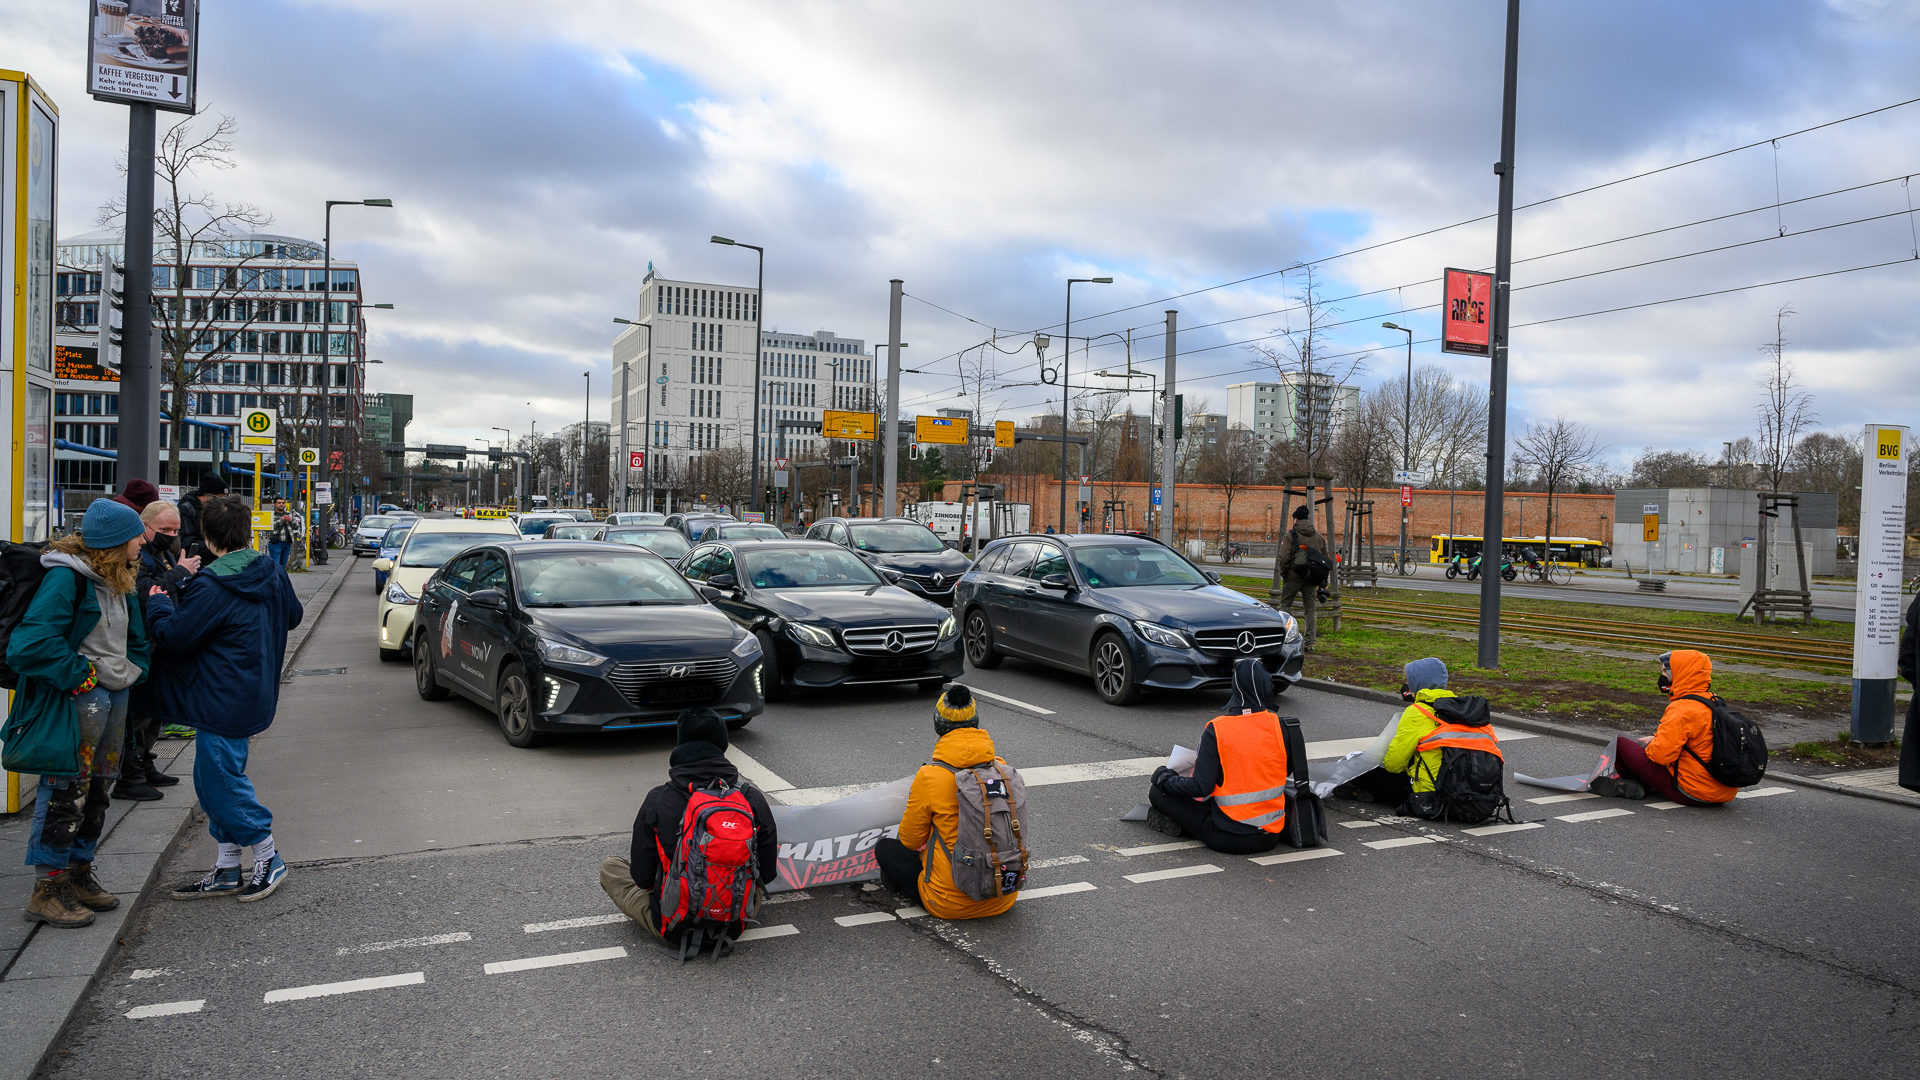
[
  {"x": 1031, "y": 591},
  {"x": 461, "y": 618}
]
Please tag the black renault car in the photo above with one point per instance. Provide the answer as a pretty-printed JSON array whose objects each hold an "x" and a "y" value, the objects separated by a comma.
[
  {"x": 924, "y": 563},
  {"x": 570, "y": 636},
  {"x": 1130, "y": 612},
  {"x": 824, "y": 617}
]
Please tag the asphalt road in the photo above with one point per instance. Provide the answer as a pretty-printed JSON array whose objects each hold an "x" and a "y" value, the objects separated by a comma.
[{"x": 1764, "y": 939}]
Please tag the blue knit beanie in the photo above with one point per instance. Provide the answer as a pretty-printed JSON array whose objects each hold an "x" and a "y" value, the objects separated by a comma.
[
  {"x": 109, "y": 524},
  {"x": 1426, "y": 674}
]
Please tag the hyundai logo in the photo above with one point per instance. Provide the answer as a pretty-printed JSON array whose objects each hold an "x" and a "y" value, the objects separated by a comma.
[
  {"x": 895, "y": 641},
  {"x": 1245, "y": 641},
  {"x": 679, "y": 671}
]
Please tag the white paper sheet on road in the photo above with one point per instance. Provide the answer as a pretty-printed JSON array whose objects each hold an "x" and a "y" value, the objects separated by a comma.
[
  {"x": 1575, "y": 782},
  {"x": 1324, "y": 778},
  {"x": 1181, "y": 760},
  {"x": 832, "y": 843}
]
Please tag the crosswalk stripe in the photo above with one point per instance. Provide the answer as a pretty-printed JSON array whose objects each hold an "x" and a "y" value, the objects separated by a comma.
[
  {"x": 1294, "y": 856},
  {"x": 1057, "y": 890},
  {"x": 1155, "y": 849},
  {"x": 1576, "y": 796},
  {"x": 404, "y": 943},
  {"x": 759, "y": 932},
  {"x": 1058, "y": 860},
  {"x": 166, "y": 1008},
  {"x": 1176, "y": 872},
  {"x": 572, "y": 924},
  {"x": 1503, "y": 827},
  {"x": 1597, "y": 815},
  {"x": 1761, "y": 792},
  {"x": 863, "y": 919},
  {"x": 913, "y": 912},
  {"x": 534, "y": 963},
  {"x": 351, "y": 986},
  {"x": 1359, "y": 824},
  {"x": 1402, "y": 841},
  {"x": 1661, "y": 805}
]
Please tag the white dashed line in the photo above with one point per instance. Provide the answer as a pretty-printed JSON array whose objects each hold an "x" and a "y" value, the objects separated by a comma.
[
  {"x": 1015, "y": 702},
  {"x": 149, "y": 973},
  {"x": 863, "y": 919},
  {"x": 1058, "y": 860},
  {"x": 758, "y": 932},
  {"x": 1294, "y": 856},
  {"x": 532, "y": 963},
  {"x": 404, "y": 943},
  {"x": 762, "y": 777},
  {"x": 165, "y": 1008},
  {"x": 1661, "y": 805},
  {"x": 1402, "y": 841},
  {"x": 1359, "y": 824},
  {"x": 914, "y": 912},
  {"x": 1504, "y": 827},
  {"x": 787, "y": 897},
  {"x": 1155, "y": 849},
  {"x": 1761, "y": 792},
  {"x": 351, "y": 986},
  {"x": 1057, "y": 890},
  {"x": 572, "y": 924},
  {"x": 1546, "y": 800},
  {"x": 1597, "y": 815},
  {"x": 1120, "y": 768},
  {"x": 1176, "y": 872}
]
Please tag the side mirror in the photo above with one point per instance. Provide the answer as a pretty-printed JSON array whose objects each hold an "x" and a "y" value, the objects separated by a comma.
[
  {"x": 709, "y": 593},
  {"x": 724, "y": 582},
  {"x": 1211, "y": 576},
  {"x": 383, "y": 565},
  {"x": 1057, "y": 581},
  {"x": 892, "y": 576},
  {"x": 491, "y": 599},
  {"x": 951, "y": 545}
]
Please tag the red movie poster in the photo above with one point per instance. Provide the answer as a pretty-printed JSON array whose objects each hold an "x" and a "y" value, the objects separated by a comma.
[{"x": 1466, "y": 315}]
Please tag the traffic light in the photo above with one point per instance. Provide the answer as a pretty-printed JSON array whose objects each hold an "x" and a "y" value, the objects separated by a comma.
[{"x": 494, "y": 454}]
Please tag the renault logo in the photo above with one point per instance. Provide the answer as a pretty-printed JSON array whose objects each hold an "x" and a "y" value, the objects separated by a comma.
[
  {"x": 939, "y": 580},
  {"x": 679, "y": 671},
  {"x": 895, "y": 641},
  {"x": 1245, "y": 641}
]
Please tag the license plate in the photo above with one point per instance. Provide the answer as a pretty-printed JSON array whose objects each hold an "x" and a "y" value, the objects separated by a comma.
[
  {"x": 673, "y": 695},
  {"x": 897, "y": 663}
]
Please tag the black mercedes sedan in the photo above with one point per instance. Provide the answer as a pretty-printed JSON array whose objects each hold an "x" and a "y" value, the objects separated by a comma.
[
  {"x": 824, "y": 617},
  {"x": 924, "y": 564},
  {"x": 571, "y": 636},
  {"x": 1130, "y": 612}
]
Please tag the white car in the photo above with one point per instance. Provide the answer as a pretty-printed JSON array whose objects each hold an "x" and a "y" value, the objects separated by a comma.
[
  {"x": 637, "y": 517},
  {"x": 366, "y": 537},
  {"x": 432, "y": 542}
]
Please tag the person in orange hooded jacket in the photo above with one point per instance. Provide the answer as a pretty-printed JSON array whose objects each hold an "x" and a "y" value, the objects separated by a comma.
[{"x": 1672, "y": 762}]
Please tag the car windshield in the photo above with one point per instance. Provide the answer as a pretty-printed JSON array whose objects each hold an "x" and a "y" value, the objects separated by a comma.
[
  {"x": 601, "y": 578},
  {"x": 537, "y": 526},
  {"x": 435, "y": 548},
  {"x": 805, "y": 568},
  {"x": 1120, "y": 566},
  {"x": 665, "y": 543},
  {"x": 751, "y": 531},
  {"x": 396, "y": 535},
  {"x": 575, "y": 532},
  {"x": 895, "y": 537},
  {"x": 638, "y": 517},
  {"x": 377, "y": 522}
]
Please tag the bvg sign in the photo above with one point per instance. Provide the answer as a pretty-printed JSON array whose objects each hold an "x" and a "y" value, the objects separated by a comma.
[{"x": 259, "y": 429}]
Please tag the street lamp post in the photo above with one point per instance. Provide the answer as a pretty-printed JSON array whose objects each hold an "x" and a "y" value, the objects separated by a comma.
[
  {"x": 580, "y": 462},
  {"x": 1153, "y": 397},
  {"x": 326, "y": 337},
  {"x": 1406, "y": 433},
  {"x": 759, "y": 284},
  {"x": 505, "y": 444},
  {"x": 1066, "y": 390},
  {"x": 646, "y": 462}
]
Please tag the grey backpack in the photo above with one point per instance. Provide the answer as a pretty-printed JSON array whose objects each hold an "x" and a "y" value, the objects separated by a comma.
[{"x": 989, "y": 856}]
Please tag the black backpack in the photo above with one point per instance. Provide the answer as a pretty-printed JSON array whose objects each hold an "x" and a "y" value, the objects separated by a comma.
[
  {"x": 1468, "y": 788},
  {"x": 20, "y": 574},
  {"x": 1312, "y": 564},
  {"x": 1306, "y": 824},
  {"x": 1739, "y": 749}
]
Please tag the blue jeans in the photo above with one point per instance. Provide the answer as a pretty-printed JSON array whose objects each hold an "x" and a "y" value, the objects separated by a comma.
[
  {"x": 68, "y": 814},
  {"x": 278, "y": 550},
  {"x": 234, "y": 813}
]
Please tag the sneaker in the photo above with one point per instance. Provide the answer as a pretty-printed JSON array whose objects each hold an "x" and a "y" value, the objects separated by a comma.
[
  {"x": 1618, "y": 787},
  {"x": 176, "y": 731},
  {"x": 266, "y": 878},
  {"x": 85, "y": 887},
  {"x": 1354, "y": 793},
  {"x": 1161, "y": 823},
  {"x": 136, "y": 789},
  {"x": 53, "y": 903},
  {"x": 156, "y": 778},
  {"x": 217, "y": 883}
]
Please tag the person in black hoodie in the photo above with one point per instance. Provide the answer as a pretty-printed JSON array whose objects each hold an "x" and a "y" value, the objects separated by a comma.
[
  {"x": 192, "y": 536},
  {"x": 699, "y": 758},
  {"x": 1234, "y": 802}
]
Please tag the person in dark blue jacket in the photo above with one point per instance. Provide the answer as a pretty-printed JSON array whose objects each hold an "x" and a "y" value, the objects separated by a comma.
[{"x": 229, "y": 635}]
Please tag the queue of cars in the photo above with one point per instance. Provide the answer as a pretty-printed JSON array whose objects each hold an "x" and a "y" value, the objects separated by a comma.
[{"x": 625, "y": 625}]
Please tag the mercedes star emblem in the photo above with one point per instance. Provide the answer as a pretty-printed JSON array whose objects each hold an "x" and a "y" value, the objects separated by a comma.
[
  {"x": 896, "y": 641},
  {"x": 1245, "y": 641},
  {"x": 679, "y": 671}
]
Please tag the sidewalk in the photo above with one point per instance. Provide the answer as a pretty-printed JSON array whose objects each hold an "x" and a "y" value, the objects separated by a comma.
[{"x": 44, "y": 973}]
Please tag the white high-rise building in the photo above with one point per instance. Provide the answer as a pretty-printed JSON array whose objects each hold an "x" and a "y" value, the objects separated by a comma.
[{"x": 1279, "y": 411}]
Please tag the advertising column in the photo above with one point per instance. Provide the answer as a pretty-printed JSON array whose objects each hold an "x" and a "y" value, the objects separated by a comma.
[{"x": 1877, "y": 598}]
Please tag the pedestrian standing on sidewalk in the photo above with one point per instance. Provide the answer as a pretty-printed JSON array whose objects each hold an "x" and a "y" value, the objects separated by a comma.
[
  {"x": 1294, "y": 570},
  {"x": 211, "y": 487},
  {"x": 229, "y": 636},
  {"x": 160, "y": 564},
  {"x": 78, "y": 650},
  {"x": 138, "y": 494},
  {"x": 1909, "y": 777},
  {"x": 285, "y": 534}
]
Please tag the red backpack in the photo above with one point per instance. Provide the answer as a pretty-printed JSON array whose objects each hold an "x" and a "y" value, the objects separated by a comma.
[{"x": 710, "y": 889}]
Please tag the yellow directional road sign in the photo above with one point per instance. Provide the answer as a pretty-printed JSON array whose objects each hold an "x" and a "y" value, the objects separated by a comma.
[
  {"x": 1002, "y": 434},
  {"x": 836, "y": 424},
  {"x": 940, "y": 430}
]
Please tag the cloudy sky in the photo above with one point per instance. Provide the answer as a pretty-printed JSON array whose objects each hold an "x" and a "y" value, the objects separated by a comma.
[{"x": 540, "y": 155}]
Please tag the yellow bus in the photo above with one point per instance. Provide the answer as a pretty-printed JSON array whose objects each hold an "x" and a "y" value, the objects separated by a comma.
[{"x": 1573, "y": 551}]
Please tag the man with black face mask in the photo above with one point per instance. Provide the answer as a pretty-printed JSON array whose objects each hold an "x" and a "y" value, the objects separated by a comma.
[{"x": 160, "y": 564}]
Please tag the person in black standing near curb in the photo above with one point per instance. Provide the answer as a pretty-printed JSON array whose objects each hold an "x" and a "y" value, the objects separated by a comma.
[
  {"x": 1909, "y": 669},
  {"x": 192, "y": 537},
  {"x": 161, "y": 565}
]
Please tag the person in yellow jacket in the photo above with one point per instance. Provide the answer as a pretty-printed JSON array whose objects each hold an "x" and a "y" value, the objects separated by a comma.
[
  {"x": 915, "y": 865},
  {"x": 1397, "y": 777}
]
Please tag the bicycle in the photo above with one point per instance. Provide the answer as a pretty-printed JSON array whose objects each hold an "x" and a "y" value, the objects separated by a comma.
[{"x": 1402, "y": 565}]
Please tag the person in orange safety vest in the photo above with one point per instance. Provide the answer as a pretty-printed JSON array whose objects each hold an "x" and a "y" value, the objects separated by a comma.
[{"x": 1236, "y": 800}]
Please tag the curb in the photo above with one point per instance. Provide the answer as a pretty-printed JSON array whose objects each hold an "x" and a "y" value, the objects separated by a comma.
[
  {"x": 1548, "y": 727},
  {"x": 38, "y": 1009}
]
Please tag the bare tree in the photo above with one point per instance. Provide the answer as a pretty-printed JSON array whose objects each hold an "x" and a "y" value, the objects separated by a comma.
[
  {"x": 1785, "y": 410},
  {"x": 1828, "y": 462},
  {"x": 1230, "y": 463},
  {"x": 1315, "y": 380},
  {"x": 1560, "y": 454},
  {"x": 1443, "y": 424},
  {"x": 1671, "y": 469},
  {"x": 1364, "y": 452}
]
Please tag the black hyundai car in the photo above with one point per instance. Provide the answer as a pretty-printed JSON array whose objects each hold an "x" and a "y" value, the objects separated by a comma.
[
  {"x": 924, "y": 563},
  {"x": 1130, "y": 612},
  {"x": 570, "y": 636},
  {"x": 824, "y": 617}
]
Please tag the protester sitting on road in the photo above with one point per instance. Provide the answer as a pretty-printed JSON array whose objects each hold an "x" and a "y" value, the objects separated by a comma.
[
  {"x": 227, "y": 641},
  {"x": 1425, "y": 682},
  {"x": 699, "y": 761},
  {"x": 192, "y": 541},
  {"x": 78, "y": 650},
  {"x": 919, "y": 864},
  {"x": 140, "y": 775},
  {"x": 1294, "y": 573},
  {"x": 1236, "y": 799},
  {"x": 1672, "y": 761}
]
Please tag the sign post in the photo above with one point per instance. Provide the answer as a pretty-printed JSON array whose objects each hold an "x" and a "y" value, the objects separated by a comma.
[
  {"x": 1876, "y": 610},
  {"x": 309, "y": 457}
]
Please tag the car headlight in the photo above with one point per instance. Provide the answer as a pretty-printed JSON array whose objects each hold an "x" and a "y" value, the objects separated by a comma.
[
  {"x": 560, "y": 653},
  {"x": 811, "y": 635},
  {"x": 1161, "y": 635},
  {"x": 1293, "y": 630},
  {"x": 948, "y": 628},
  {"x": 747, "y": 648},
  {"x": 398, "y": 595}
]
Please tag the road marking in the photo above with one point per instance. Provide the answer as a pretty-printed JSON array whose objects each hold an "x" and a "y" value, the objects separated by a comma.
[
  {"x": 1597, "y": 815},
  {"x": 758, "y": 932},
  {"x": 762, "y": 777},
  {"x": 913, "y": 912},
  {"x": 1545, "y": 800},
  {"x": 166, "y": 1008},
  {"x": 1155, "y": 849},
  {"x": 149, "y": 973},
  {"x": 1661, "y": 805},
  {"x": 863, "y": 919},
  {"x": 1295, "y": 856},
  {"x": 1015, "y": 702},
  {"x": 531, "y": 963},
  {"x": 1402, "y": 841},
  {"x": 404, "y": 943},
  {"x": 1057, "y": 890},
  {"x": 818, "y": 795},
  {"x": 787, "y": 897},
  {"x": 1176, "y": 872},
  {"x": 351, "y": 986},
  {"x": 572, "y": 924},
  {"x": 1504, "y": 827},
  {"x": 1045, "y": 775},
  {"x": 1359, "y": 824},
  {"x": 1761, "y": 792},
  {"x": 1058, "y": 860}
]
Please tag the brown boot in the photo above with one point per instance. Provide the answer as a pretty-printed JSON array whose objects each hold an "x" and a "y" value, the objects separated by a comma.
[
  {"x": 53, "y": 904},
  {"x": 86, "y": 888}
]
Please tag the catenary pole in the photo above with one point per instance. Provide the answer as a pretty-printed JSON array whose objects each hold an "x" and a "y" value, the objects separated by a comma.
[
  {"x": 139, "y": 434},
  {"x": 889, "y": 435},
  {"x": 1494, "y": 521},
  {"x": 1167, "y": 445}
]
